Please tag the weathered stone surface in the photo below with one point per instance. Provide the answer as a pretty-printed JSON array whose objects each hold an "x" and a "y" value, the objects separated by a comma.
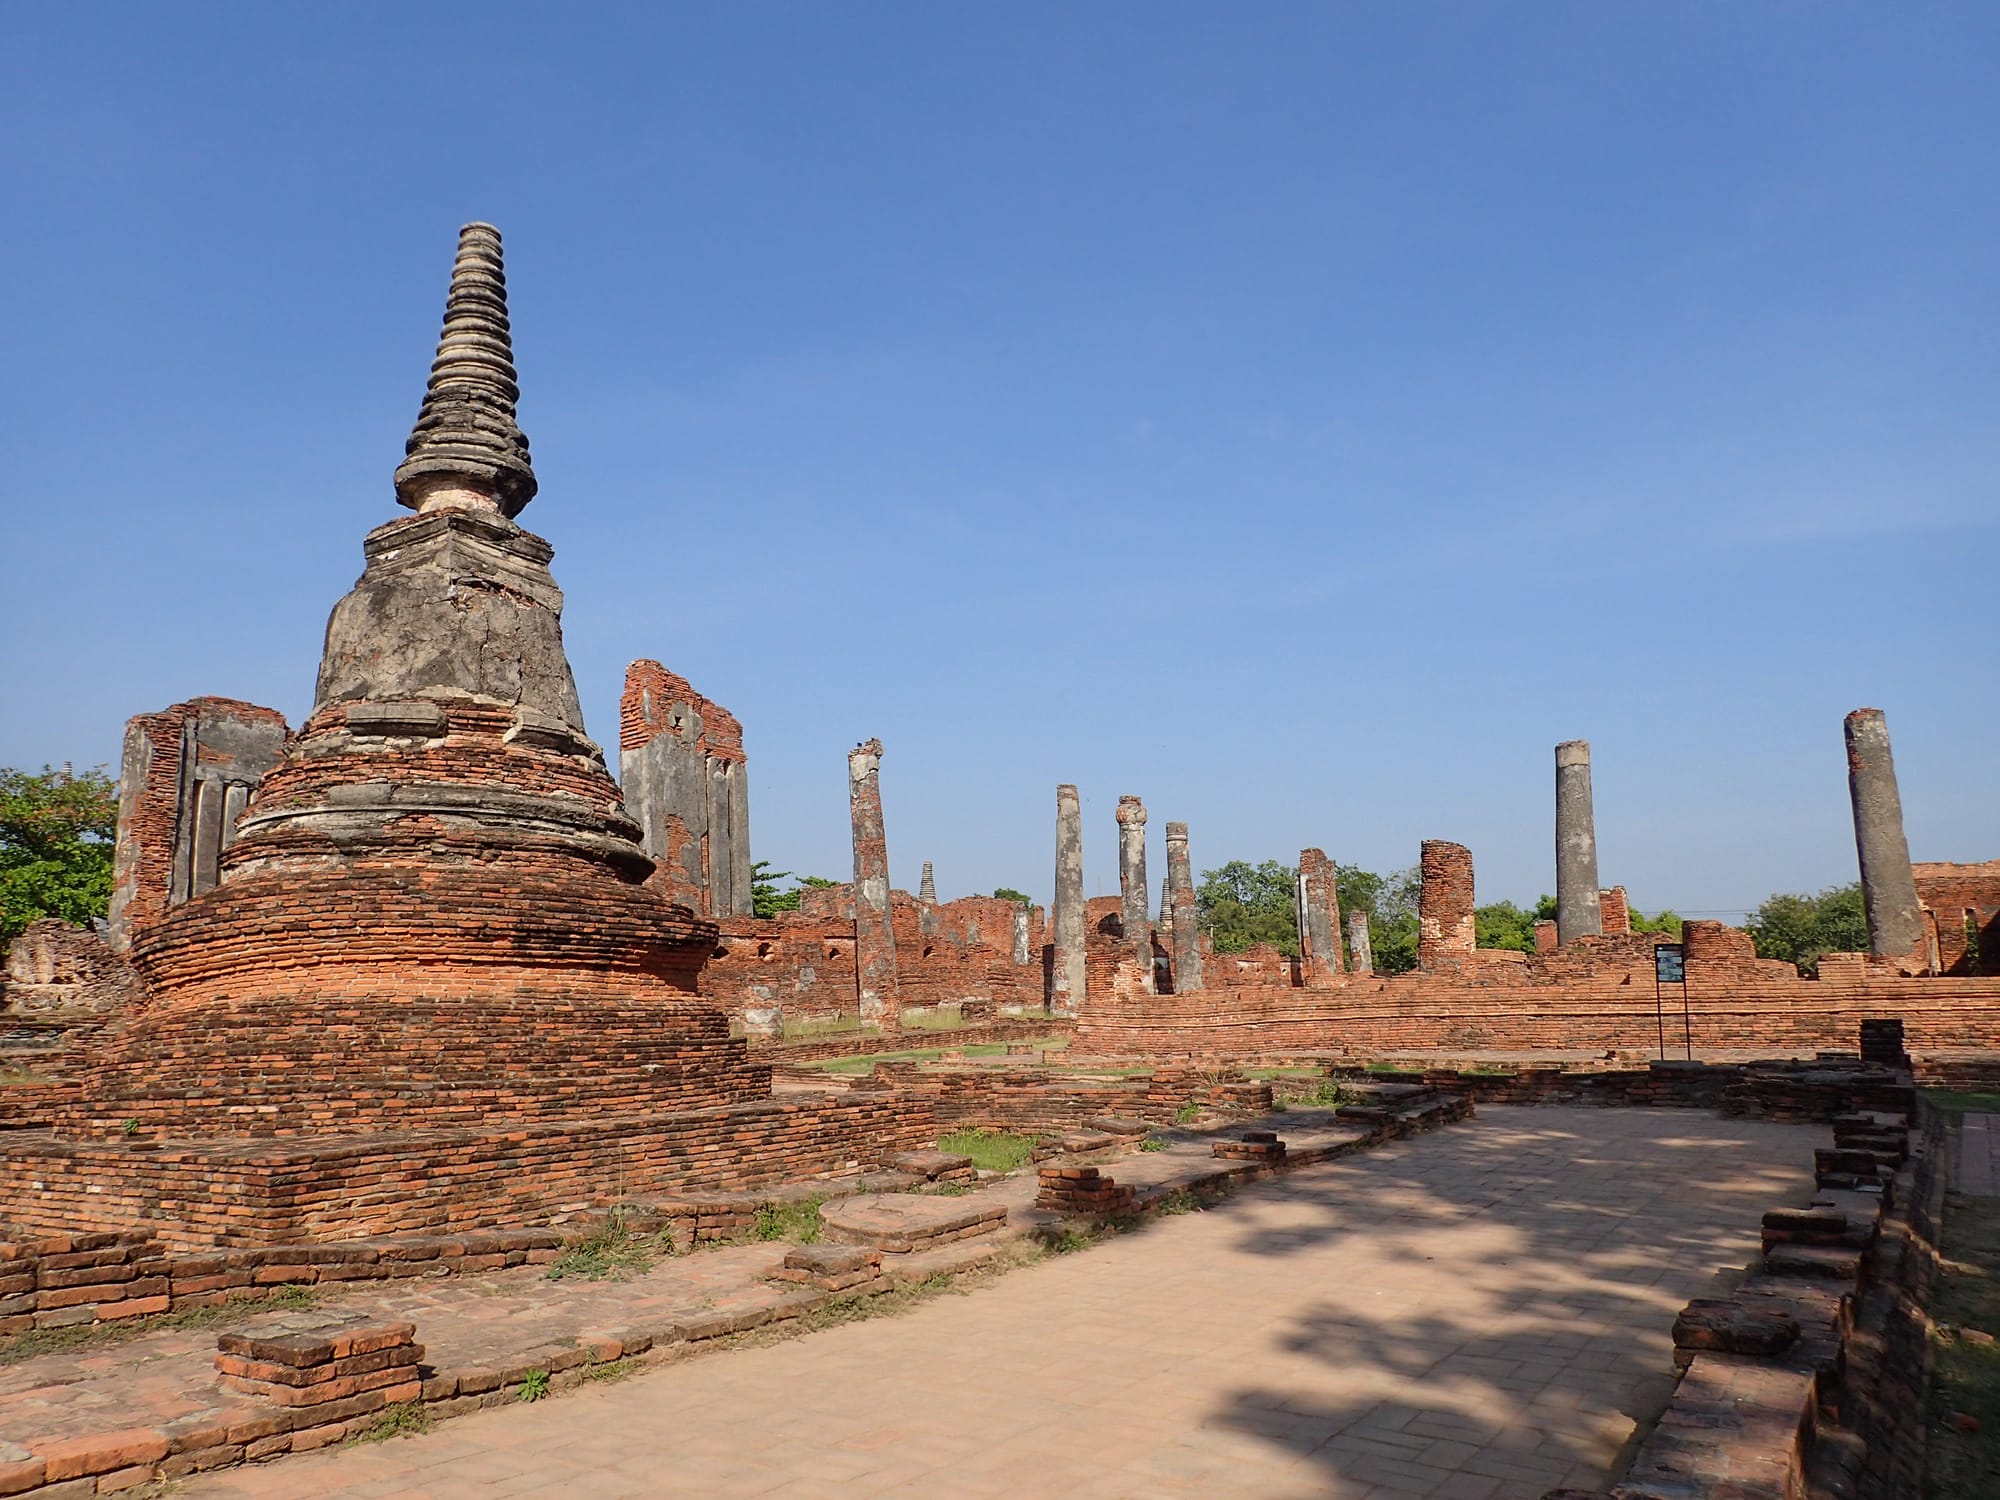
[
  {"x": 467, "y": 447},
  {"x": 1318, "y": 916},
  {"x": 1132, "y": 891},
  {"x": 1186, "y": 927},
  {"x": 686, "y": 781},
  {"x": 1733, "y": 1327},
  {"x": 53, "y": 967},
  {"x": 1068, "y": 975},
  {"x": 876, "y": 991},
  {"x": 1361, "y": 951},
  {"x": 1888, "y": 884},
  {"x": 1577, "y": 910},
  {"x": 901, "y": 1222}
]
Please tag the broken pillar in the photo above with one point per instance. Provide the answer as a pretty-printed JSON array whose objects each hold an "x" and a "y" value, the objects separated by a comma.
[
  {"x": 1615, "y": 911},
  {"x": 1067, "y": 977},
  {"x": 1888, "y": 885},
  {"x": 686, "y": 784},
  {"x": 1022, "y": 917},
  {"x": 1545, "y": 936},
  {"x": 1186, "y": 917},
  {"x": 1446, "y": 937},
  {"x": 1319, "y": 916},
  {"x": 875, "y": 985},
  {"x": 1132, "y": 884},
  {"x": 1577, "y": 912},
  {"x": 186, "y": 776},
  {"x": 1361, "y": 952}
]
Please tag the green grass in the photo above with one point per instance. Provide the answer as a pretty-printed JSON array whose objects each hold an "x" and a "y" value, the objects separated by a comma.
[
  {"x": 393, "y": 1421},
  {"x": 38, "y": 1341},
  {"x": 990, "y": 1150},
  {"x": 611, "y": 1252},
  {"x": 1966, "y": 1350},
  {"x": 616, "y": 1369},
  {"x": 932, "y": 1020},
  {"x": 1152, "y": 1143},
  {"x": 797, "y": 1221},
  {"x": 534, "y": 1387},
  {"x": 1263, "y": 1073},
  {"x": 1187, "y": 1114},
  {"x": 1954, "y": 1103}
]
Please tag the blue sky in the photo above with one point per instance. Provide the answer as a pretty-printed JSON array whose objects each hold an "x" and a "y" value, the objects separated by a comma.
[{"x": 1302, "y": 416}]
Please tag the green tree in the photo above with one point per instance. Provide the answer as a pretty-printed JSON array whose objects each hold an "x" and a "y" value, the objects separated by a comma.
[
  {"x": 56, "y": 830},
  {"x": 1021, "y": 898},
  {"x": 1801, "y": 929},
  {"x": 1241, "y": 904},
  {"x": 1665, "y": 921},
  {"x": 766, "y": 900},
  {"x": 1391, "y": 903},
  {"x": 1502, "y": 924}
]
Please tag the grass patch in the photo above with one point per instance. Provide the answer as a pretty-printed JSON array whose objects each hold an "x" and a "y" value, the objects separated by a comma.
[
  {"x": 933, "y": 1020},
  {"x": 1067, "y": 1239},
  {"x": 39, "y": 1341},
  {"x": 797, "y": 1221},
  {"x": 393, "y": 1421},
  {"x": 1326, "y": 1094},
  {"x": 1262, "y": 1073},
  {"x": 1187, "y": 1114},
  {"x": 611, "y": 1252},
  {"x": 610, "y": 1370},
  {"x": 990, "y": 1150},
  {"x": 1966, "y": 1350},
  {"x": 850, "y": 1308},
  {"x": 1152, "y": 1143},
  {"x": 1955, "y": 1103}
]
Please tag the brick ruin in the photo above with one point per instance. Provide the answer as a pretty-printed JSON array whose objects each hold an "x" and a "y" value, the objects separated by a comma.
[{"x": 427, "y": 927}]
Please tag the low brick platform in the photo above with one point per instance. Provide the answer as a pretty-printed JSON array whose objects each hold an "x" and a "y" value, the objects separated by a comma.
[
  {"x": 900, "y": 1223},
  {"x": 1082, "y": 1192}
]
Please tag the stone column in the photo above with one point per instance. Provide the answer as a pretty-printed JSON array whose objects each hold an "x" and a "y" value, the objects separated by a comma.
[
  {"x": 1319, "y": 915},
  {"x": 1360, "y": 949},
  {"x": 927, "y": 921},
  {"x": 1577, "y": 914},
  {"x": 1186, "y": 918},
  {"x": 1888, "y": 886},
  {"x": 875, "y": 983},
  {"x": 1067, "y": 983},
  {"x": 1446, "y": 938},
  {"x": 1022, "y": 915},
  {"x": 1132, "y": 883}
]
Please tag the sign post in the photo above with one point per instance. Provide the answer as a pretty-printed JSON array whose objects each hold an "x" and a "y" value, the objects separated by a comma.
[{"x": 1670, "y": 967}]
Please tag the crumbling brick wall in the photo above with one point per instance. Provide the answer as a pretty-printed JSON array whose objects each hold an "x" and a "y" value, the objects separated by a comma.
[
  {"x": 1954, "y": 894},
  {"x": 54, "y": 968},
  {"x": 186, "y": 775},
  {"x": 686, "y": 783}
]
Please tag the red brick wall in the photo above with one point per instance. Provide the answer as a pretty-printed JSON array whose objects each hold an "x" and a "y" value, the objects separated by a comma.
[{"x": 1950, "y": 892}]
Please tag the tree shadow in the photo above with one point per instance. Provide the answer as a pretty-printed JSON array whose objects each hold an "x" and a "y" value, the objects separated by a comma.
[{"x": 1506, "y": 1289}]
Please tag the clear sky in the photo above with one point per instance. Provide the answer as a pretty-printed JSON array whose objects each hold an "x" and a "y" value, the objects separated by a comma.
[{"x": 1302, "y": 416}]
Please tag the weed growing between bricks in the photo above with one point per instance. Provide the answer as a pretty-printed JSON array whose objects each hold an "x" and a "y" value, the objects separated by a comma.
[
  {"x": 797, "y": 1222},
  {"x": 40, "y": 1341},
  {"x": 990, "y": 1150},
  {"x": 611, "y": 1252},
  {"x": 403, "y": 1420}
]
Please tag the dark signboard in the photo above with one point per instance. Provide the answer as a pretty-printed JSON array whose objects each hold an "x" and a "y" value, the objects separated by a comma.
[{"x": 1670, "y": 963}]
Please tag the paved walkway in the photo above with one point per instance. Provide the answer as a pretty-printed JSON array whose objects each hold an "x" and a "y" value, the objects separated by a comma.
[
  {"x": 1979, "y": 1155},
  {"x": 1476, "y": 1314}
]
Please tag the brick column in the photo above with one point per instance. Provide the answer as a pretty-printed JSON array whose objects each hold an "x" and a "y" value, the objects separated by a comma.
[
  {"x": 875, "y": 983},
  {"x": 1068, "y": 980},
  {"x": 1132, "y": 884},
  {"x": 1445, "y": 935},
  {"x": 1360, "y": 950},
  {"x": 1577, "y": 914},
  {"x": 1615, "y": 911},
  {"x": 1888, "y": 886},
  {"x": 1319, "y": 916},
  {"x": 1186, "y": 918}
]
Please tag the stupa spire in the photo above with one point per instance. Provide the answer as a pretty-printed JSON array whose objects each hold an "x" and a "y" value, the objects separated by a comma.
[{"x": 467, "y": 450}]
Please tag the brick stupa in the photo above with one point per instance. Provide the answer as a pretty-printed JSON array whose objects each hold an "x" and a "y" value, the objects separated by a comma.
[{"x": 433, "y": 986}]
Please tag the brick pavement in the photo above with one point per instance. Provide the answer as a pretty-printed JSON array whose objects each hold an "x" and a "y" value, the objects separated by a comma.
[{"x": 1477, "y": 1314}]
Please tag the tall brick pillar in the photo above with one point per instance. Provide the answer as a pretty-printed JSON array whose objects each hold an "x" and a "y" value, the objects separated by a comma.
[
  {"x": 1132, "y": 890},
  {"x": 875, "y": 984},
  {"x": 1068, "y": 978},
  {"x": 1446, "y": 938},
  {"x": 1360, "y": 949},
  {"x": 1577, "y": 913},
  {"x": 1186, "y": 917},
  {"x": 1319, "y": 915},
  {"x": 1888, "y": 886}
]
